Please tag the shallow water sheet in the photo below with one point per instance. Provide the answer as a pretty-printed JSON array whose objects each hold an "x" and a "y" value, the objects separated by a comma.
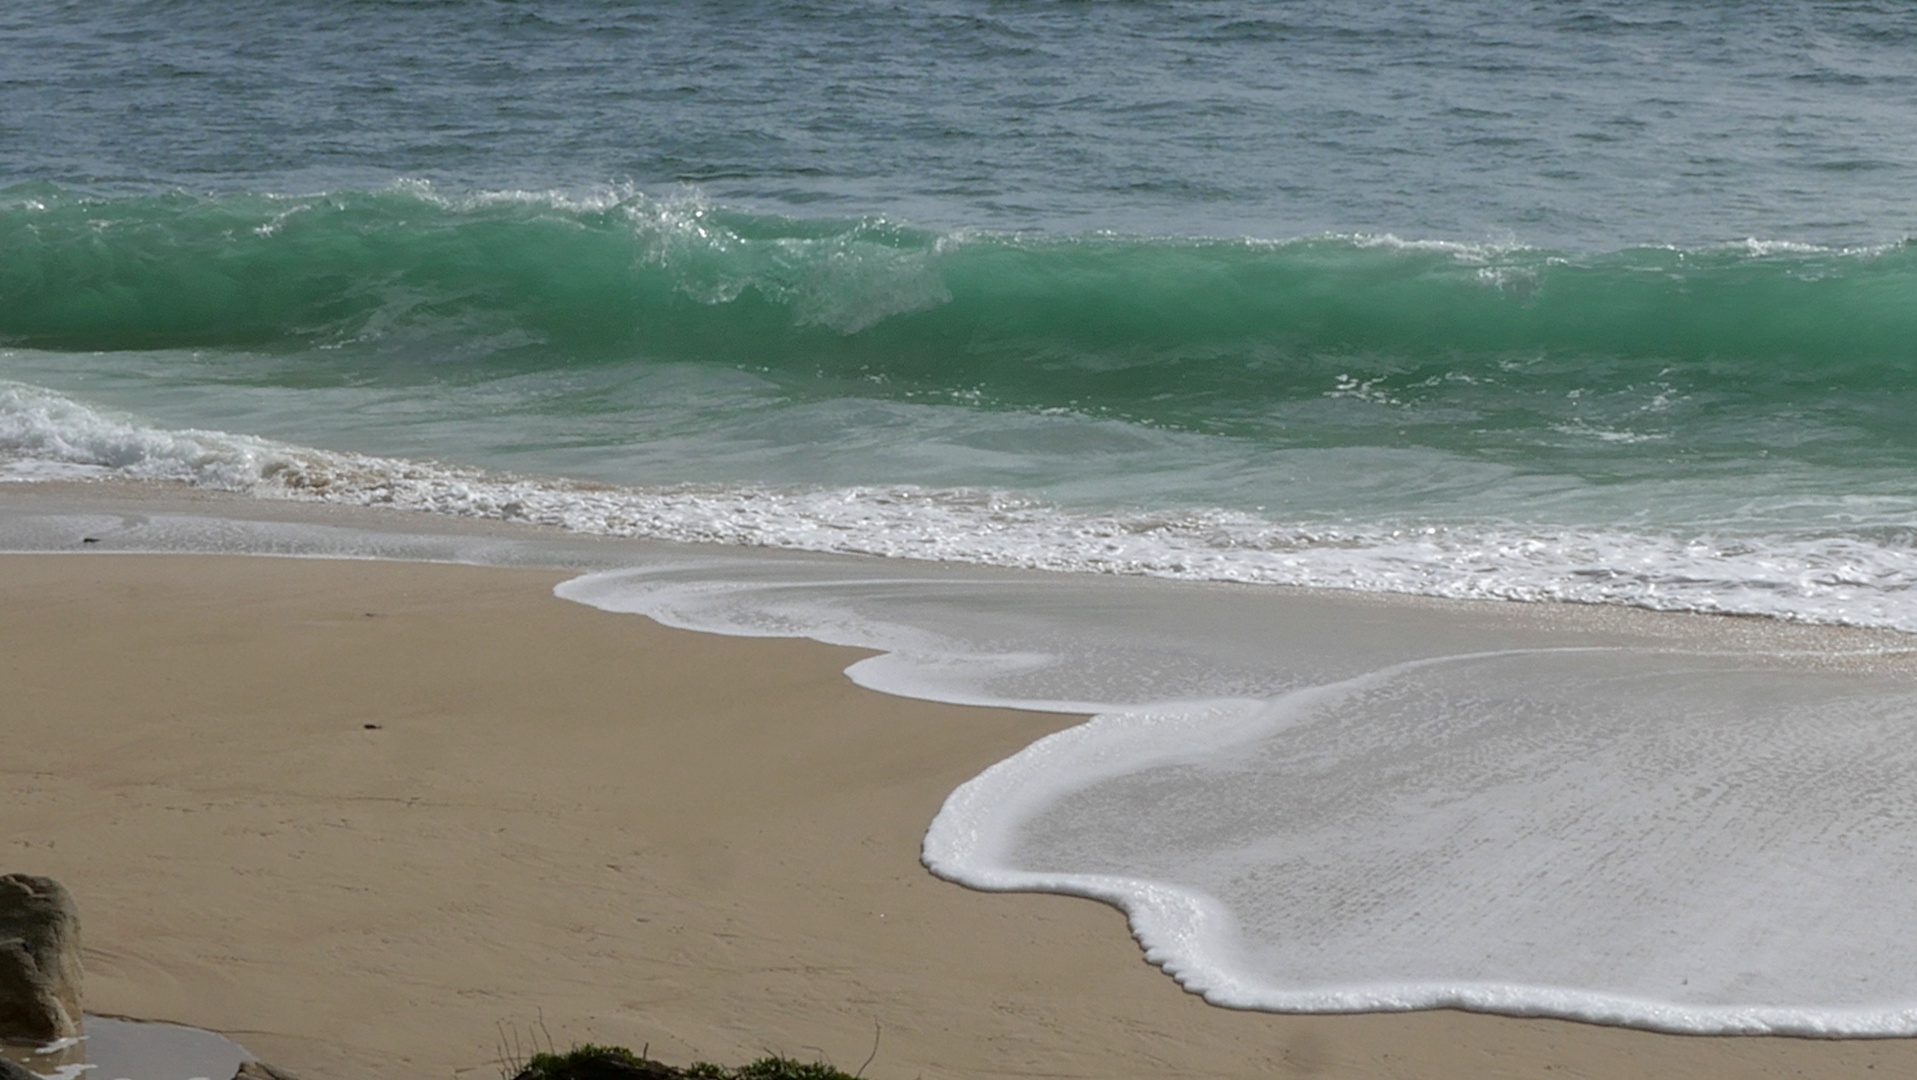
[{"x": 1332, "y": 802}]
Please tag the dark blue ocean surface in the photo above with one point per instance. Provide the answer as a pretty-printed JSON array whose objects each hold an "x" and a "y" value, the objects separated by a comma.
[{"x": 1593, "y": 125}]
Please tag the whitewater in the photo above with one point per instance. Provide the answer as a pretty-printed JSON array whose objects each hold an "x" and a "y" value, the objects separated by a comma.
[{"x": 1843, "y": 580}]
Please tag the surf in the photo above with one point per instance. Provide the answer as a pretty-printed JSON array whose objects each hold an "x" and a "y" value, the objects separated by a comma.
[{"x": 1195, "y": 332}]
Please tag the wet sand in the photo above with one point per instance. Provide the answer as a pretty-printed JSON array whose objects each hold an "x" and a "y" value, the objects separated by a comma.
[{"x": 706, "y": 845}]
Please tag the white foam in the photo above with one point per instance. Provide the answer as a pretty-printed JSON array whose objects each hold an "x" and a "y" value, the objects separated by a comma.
[
  {"x": 1412, "y": 808},
  {"x": 31, "y": 471},
  {"x": 1827, "y": 578}
]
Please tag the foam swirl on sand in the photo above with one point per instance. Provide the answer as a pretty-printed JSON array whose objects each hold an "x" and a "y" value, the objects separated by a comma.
[{"x": 1401, "y": 806}]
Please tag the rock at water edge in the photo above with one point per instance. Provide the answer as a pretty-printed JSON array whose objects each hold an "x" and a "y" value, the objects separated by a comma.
[{"x": 39, "y": 960}]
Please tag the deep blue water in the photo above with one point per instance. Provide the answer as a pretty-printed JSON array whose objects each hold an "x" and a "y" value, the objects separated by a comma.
[{"x": 1595, "y": 125}]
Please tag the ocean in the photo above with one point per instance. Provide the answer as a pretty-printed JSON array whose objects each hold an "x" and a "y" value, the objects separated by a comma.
[{"x": 1103, "y": 327}]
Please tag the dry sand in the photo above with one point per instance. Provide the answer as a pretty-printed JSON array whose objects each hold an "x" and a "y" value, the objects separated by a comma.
[{"x": 704, "y": 844}]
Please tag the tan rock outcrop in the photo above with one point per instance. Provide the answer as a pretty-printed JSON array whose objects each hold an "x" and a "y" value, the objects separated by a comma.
[{"x": 40, "y": 977}]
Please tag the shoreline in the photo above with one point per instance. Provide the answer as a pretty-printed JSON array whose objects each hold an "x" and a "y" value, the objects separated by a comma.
[
  {"x": 531, "y": 833},
  {"x": 300, "y": 877}
]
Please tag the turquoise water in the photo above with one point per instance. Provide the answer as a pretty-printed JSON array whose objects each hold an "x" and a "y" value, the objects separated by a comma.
[{"x": 1715, "y": 428}]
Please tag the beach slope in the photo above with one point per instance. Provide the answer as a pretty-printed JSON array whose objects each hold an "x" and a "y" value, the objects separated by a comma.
[{"x": 364, "y": 815}]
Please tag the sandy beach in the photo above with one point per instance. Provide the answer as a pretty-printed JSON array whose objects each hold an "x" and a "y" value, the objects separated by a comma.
[{"x": 362, "y": 815}]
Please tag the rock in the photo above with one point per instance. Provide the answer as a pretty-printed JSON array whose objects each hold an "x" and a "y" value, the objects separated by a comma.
[
  {"x": 600, "y": 1063},
  {"x": 39, "y": 960},
  {"x": 258, "y": 1070},
  {"x": 13, "y": 1070}
]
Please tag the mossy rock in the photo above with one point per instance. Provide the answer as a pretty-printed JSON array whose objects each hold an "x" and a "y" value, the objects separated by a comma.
[
  {"x": 619, "y": 1063},
  {"x": 597, "y": 1063},
  {"x": 772, "y": 1068}
]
